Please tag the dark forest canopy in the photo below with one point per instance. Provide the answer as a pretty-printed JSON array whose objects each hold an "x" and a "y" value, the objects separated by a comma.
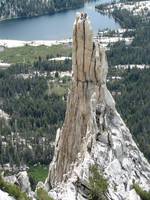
[
  {"x": 36, "y": 108},
  {"x": 134, "y": 105},
  {"x": 139, "y": 50},
  {"x": 24, "y": 8}
]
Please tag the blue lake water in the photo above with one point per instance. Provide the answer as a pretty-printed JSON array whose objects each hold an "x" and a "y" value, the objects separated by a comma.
[{"x": 57, "y": 26}]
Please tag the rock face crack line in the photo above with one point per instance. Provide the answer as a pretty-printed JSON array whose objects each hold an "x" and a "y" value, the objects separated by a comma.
[
  {"x": 84, "y": 38},
  {"x": 93, "y": 132},
  {"x": 76, "y": 51}
]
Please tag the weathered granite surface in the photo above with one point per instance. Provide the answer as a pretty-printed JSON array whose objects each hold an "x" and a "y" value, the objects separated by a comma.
[
  {"x": 5, "y": 196},
  {"x": 93, "y": 131},
  {"x": 22, "y": 180}
]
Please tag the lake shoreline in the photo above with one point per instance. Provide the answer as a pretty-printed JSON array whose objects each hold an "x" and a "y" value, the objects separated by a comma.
[
  {"x": 57, "y": 26},
  {"x": 20, "y": 43},
  {"x": 40, "y": 15}
]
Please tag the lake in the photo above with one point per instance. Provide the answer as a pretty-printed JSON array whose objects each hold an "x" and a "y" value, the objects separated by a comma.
[{"x": 54, "y": 27}]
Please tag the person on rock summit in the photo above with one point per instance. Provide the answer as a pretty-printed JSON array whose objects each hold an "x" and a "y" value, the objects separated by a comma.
[{"x": 83, "y": 15}]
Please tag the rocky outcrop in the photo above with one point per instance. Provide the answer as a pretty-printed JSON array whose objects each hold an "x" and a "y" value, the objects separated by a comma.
[
  {"x": 22, "y": 180},
  {"x": 93, "y": 131},
  {"x": 5, "y": 196}
]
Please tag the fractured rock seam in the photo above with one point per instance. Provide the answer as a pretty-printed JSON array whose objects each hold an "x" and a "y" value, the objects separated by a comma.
[{"x": 93, "y": 132}]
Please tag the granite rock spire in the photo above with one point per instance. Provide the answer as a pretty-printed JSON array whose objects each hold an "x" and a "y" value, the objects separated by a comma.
[{"x": 93, "y": 132}]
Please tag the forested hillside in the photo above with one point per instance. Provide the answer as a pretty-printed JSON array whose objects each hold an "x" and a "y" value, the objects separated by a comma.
[
  {"x": 36, "y": 101},
  {"x": 131, "y": 91},
  {"x": 24, "y": 8},
  {"x": 34, "y": 96},
  {"x": 133, "y": 104},
  {"x": 139, "y": 50}
]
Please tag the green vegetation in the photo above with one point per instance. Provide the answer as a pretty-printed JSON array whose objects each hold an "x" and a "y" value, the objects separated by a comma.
[
  {"x": 98, "y": 185},
  {"x": 29, "y": 8},
  {"x": 13, "y": 190},
  {"x": 38, "y": 173},
  {"x": 43, "y": 195},
  {"x": 30, "y": 54},
  {"x": 29, "y": 105},
  {"x": 143, "y": 194},
  {"x": 36, "y": 106},
  {"x": 137, "y": 52},
  {"x": 126, "y": 18},
  {"x": 59, "y": 89},
  {"x": 134, "y": 104}
]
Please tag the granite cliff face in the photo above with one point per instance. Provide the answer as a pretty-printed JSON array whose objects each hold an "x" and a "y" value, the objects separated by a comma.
[{"x": 93, "y": 131}]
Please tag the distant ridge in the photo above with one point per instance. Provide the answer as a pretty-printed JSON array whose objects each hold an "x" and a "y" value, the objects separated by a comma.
[{"x": 22, "y": 8}]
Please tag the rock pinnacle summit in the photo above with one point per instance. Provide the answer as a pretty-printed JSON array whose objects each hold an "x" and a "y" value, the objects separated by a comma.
[{"x": 93, "y": 131}]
